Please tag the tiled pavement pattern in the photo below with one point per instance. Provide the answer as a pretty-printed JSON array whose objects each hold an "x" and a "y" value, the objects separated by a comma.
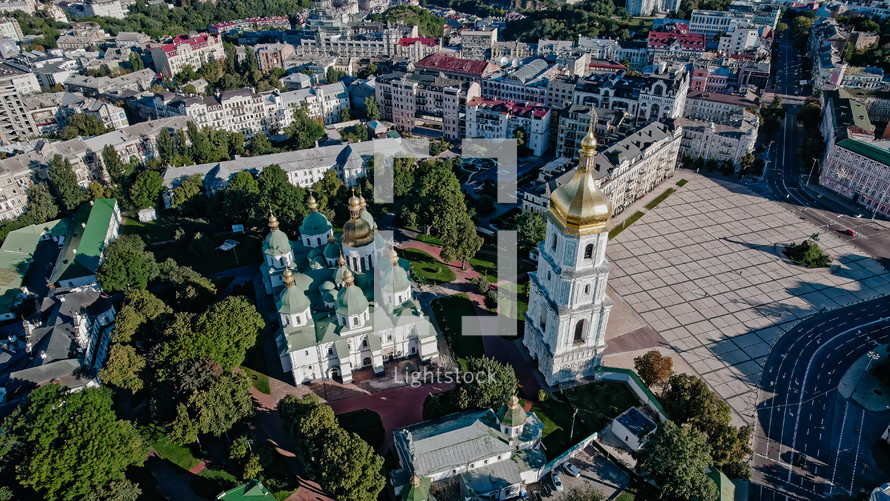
[{"x": 702, "y": 269}]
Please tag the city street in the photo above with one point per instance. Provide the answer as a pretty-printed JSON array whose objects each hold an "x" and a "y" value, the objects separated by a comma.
[
  {"x": 784, "y": 173},
  {"x": 810, "y": 442}
]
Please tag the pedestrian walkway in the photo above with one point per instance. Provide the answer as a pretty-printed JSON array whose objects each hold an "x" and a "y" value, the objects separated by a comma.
[{"x": 463, "y": 284}]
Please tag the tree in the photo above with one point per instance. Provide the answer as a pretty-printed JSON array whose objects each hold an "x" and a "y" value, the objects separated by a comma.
[
  {"x": 64, "y": 182},
  {"x": 240, "y": 198},
  {"x": 373, "y": 110},
  {"x": 304, "y": 130},
  {"x": 41, "y": 206},
  {"x": 729, "y": 444},
  {"x": 437, "y": 147},
  {"x": 461, "y": 242},
  {"x": 188, "y": 191},
  {"x": 225, "y": 402},
  {"x": 192, "y": 291},
  {"x": 66, "y": 445},
  {"x": 654, "y": 368},
  {"x": 781, "y": 28},
  {"x": 260, "y": 145},
  {"x": 127, "y": 264},
  {"x": 808, "y": 254},
  {"x": 675, "y": 458},
  {"x": 488, "y": 384},
  {"x": 97, "y": 190},
  {"x": 689, "y": 400},
  {"x": 82, "y": 124},
  {"x": 123, "y": 368},
  {"x": 119, "y": 490},
  {"x": 530, "y": 230},
  {"x": 345, "y": 115},
  {"x": 183, "y": 430},
  {"x": 583, "y": 494},
  {"x": 112, "y": 160},
  {"x": 333, "y": 75},
  {"x": 403, "y": 176},
  {"x": 146, "y": 188},
  {"x": 232, "y": 325}
]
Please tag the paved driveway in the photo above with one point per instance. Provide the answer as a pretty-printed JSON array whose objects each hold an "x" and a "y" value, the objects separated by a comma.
[{"x": 705, "y": 270}]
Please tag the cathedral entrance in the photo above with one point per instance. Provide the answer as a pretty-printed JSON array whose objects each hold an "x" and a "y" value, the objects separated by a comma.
[
  {"x": 366, "y": 361},
  {"x": 335, "y": 374}
]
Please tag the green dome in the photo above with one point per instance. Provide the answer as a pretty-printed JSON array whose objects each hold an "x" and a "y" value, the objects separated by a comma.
[
  {"x": 315, "y": 252},
  {"x": 368, "y": 218},
  {"x": 512, "y": 414},
  {"x": 340, "y": 274},
  {"x": 332, "y": 249},
  {"x": 315, "y": 224},
  {"x": 396, "y": 279},
  {"x": 276, "y": 243},
  {"x": 292, "y": 301},
  {"x": 351, "y": 300}
]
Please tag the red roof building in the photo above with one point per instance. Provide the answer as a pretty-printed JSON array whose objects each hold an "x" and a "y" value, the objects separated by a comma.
[
  {"x": 675, "y": 41},
  {"x": 453, "y": 67}
]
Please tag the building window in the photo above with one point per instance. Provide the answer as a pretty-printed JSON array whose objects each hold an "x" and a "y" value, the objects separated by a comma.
[
  {"x": 587, "y": 289},
  {"x": 588, "y": 251}
]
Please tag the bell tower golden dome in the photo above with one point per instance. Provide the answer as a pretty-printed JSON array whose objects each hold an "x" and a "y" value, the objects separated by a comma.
[{"x": 579, "y": 207}]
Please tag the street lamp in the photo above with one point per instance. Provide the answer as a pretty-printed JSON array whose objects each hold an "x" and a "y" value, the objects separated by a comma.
[
  {"x": 815, "y": 161},
  {"x": 872, "y": 356}
]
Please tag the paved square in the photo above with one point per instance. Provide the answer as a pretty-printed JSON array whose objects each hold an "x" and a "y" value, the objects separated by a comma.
[{"x": 705, "y": 270}]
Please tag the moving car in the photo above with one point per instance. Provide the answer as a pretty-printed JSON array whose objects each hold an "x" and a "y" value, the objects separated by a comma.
[
  {"x": 571, "y": 469},
  {"x": 557, "y": 483},
  {"x": 850, "y": 232}
]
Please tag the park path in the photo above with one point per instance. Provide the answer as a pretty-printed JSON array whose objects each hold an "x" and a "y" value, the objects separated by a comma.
[{"x": 464, "y": 281}]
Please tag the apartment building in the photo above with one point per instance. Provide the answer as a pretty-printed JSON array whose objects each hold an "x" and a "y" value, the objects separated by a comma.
[
  {"x": 718, "y": 107},
  {"x": 527, "y": 83},
  {"x": 725, "y": 142},
  {"x": 104, "y": 8},
  {"x": 626, "y": 170},
  {"x": 138, "y": 81},
  {"x": 635, "y": 52},
  {"x": 599, "y": 48},
  {"x": 425, "y": 104},
  {"x": 710, "y": 23},
  {"x": 131, "y": 39},
  {"x": 574, "y": 121},
  {"x": 50, "y": 111},
  {"x": 561, "y": 91},
  {"x": 251, "y": 24},
  {"x": 16, "y": 123},
  {"x": 478, "y": 44},
  {"x": 739, "y": 41},
  {"x": 465, "y": 70},
  {"x": 276, "y": 55},
  {"x": 9, "y": 28},
  {"x": 653, "y": 96},
  {"x": 82, "y": 37},
  {"x": 708, "y": 77},
  {"x": 499, "y": 119},
  {"x": 417, "y": 48},
  {"x": 677, "y": 43},
  {"x": 193, "y": 49},
  {"x": 860, "y": 171}
]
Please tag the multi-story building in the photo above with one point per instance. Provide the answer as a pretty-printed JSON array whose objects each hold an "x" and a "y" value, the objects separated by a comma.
[
  {"x": 677, "y": 43},
  {"x": 194, "y": 50},
  {"x": 720, "y": 108},
  {"x": 513, "y": 50},
  {"x": 641, "y": 7},
  {"x": 417, "y": 48},
  {"x": 527, "y": 83},
  {"x": 16, "y": 123},
  {"x": 9, "y": 28},
  {"x": 862, "y": 40},
  {"x": 844, "y": 118},
  {"x": 104, "y": 8},
  {"x": 599, "y": 48},
  {"x": 82, "y": 37},
  {"x": 707, "y": 77},
  {"x": 739, "y": 41},
  {"x": 425, "y": 102},
  {"x": 714, "y": 22},
  {"x": 325, "y": 37},
  {"x": 722, "y": 142},
  {"x": 634, "y": 52},
  {"x": 93, "y": 228},
  {"x": 653, "y": 96},
  {"x": 138, "y": 81},
  {"x": 26, "y": 6},
  {"x": 855, "y": 77},
  {"x": 131, "y": 39},
  {"x": 560, "y": 91},
  {"x": 499, "y": 119},
  {"x": 276, "y": 55},
  {"x": 574, "y": 120},
  {"x": 466, "y": 70},
  {"x": 478, "y": 44},
  {"x": 50, "y": 111},
  {"x": 252, "y": 24},
  {"x": 860, "y": 171},
  {"x": 626, "y": 171},
  {"x": 756, "y": 73}
]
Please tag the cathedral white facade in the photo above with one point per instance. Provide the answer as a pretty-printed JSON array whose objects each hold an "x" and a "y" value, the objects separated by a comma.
[
  {"x": 343, "y": 304},
  {"x": 565, "y": 328}
]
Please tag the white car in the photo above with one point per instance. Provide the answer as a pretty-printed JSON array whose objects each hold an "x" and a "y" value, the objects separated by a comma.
[
  {"x": 571, "y": 469},
  {"x": 557, "y": 483}
]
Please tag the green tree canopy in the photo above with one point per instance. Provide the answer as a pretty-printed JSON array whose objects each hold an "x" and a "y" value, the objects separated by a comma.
[
  {"x": 225, "y": 402},
  {"x": 127, "y": 264},
  {"x": 492, "y": 384},
  {"x": 64, "y": 182},
  {"x": 675, "y": 457},
  {"x": 654, "y": 368},
  {"x": 123, "y": 368},
  {"x": 41, "y": 205},
  {"x": 530, "y": 230},
  {"x": 372, "y": 109},
  {"x": 65, "y": 445},
  {"x": 82, "y": 124},
  {"x": 304, "y": 130},
  {"x": 146, "y": 188},
  {"x": 689, "y": 400}
]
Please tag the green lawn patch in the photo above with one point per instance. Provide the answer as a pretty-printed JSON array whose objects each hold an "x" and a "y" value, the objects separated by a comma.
[
  {"x": 638, "y": 491},
  {"x": 427, "y": 269},
  {"x": 681, "y": 183},
  {"x": 660, "y": 198},
  {"x": 259, "y": 380},
  {"x": 366, "y": 424},
  {"x": 449, "y": 311},
  {"x": 429, "y": 239},
  {"x": 210, "y": 482},
  {"x": 180, "y": 455},
  {"x": 485, "y": 267},
  {"x": 627, "y": 222}
]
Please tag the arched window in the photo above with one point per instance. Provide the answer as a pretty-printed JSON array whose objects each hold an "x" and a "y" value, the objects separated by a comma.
[
  {"x": 588, "y": 251},
  {"x": 579, "y": 332},
  {"x": 587, "y": 289},
  {"x": 319, "y": 240},
  {"x": 553, "y": 244},
  {"x": 364, "y": 342}
]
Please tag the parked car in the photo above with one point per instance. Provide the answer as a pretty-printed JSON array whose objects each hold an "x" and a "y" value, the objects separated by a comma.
[
  {"x": 557, "y": 483},
  {"x": 820, "y": 195},
  {"x": 571, "y": 469},
  {"x": 850, "y": 232},
  {"x": 857, "y": 216}
]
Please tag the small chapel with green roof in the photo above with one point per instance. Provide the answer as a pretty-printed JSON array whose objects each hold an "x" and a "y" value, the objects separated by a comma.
[{"x": 344, "y": 301}]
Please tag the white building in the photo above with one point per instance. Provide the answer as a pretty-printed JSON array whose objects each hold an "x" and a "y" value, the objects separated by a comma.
[
  {"x": 499, "y": 119},
  {"x": 713, "y": 22},
  {"x": 345, "y": 305},
  {"x": 425, "y": 104},
  {"x": 722, "y": 142},
  {"x": 16, "y": 123},
  {"x": 860, "y": 171},
  {"x": 719, "y": 107},
  {"x": 478, "y": 44},
  {"x": 9, "y": 28},
  {"x": 51, "y": 111},
  {"x": 649, "y": 97},
  {"x": 94, "y": 227},
  {"x": 633, "y": 428},
  {"x": 105, "y": 8},
  {"x": 739, "y": 41},
  {"x": 193, "y": 49}
]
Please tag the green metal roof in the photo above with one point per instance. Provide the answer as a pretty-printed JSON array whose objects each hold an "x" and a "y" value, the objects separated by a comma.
[
  {"x": 291, "y": 301},
  {"x": 725, "y": 487},
  {"x": 512, "y": 415},
  {"x": 419, "y": 493},
  {"x": 16, "y": 255},
  {"x": 85, "y": 241},
  {"x": 315, "y": 224},
  {"x": 251, "y": 490},
  {"x": 276, "y": 243},
  {"x": 396, "y": 279},
  {"x": 867, "y": 150},
  {"x": 351, "y": 301}
]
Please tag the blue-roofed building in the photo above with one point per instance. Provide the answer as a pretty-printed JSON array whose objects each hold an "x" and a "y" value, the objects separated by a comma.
[
  {"x": 633, "y": 428},
  {"x": 486, "y": 455}
]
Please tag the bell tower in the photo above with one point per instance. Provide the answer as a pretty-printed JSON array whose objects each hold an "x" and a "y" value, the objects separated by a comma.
[{"x": 568, "y": 307}]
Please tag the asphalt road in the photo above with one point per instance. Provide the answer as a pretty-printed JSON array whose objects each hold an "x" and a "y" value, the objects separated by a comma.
[
  {"x": 784, "y": 174},
  {"x": 801, "y": 411}
]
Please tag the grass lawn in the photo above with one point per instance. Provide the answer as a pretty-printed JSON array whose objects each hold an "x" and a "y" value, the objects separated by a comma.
[
  {"x": 660, "y": 198},
  {"x": 429, "y": 239},
  {"x": 682, "y": 183},
  {"x": 259, "y": 380},
  {"x": 638, "y": 491},
  {"x": 426, "y": 268},
  {"x": 627, "y": 222},
  {"x": 151, "y": 231},
  {"x": 449, "y": 311},
  {"x": 366, "y": 423},
  {"x": 180, "y": 455},
  {"x": 485, "y": 267},
  {"x": 210, "y": 482}
]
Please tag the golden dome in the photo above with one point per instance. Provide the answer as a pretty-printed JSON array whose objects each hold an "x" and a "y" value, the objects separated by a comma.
[
  {"x": 273, "y": 221},
  {"x": 288, "y": 278},
  {"x": 395, "y": 257},
  {"x": 361, "y": 201},
  {"x": 313, "y": 204},
  {"x": 348, "y": 278},
  {"x": 356, "y": 232},
  {"x": 579, "y": 207},
  {"x": 355, "y": 203},
  {"x": 342, "y": 260}
]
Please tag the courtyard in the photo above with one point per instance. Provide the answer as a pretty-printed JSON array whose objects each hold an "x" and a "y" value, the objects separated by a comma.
[{"x": 705, "y": 270}]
